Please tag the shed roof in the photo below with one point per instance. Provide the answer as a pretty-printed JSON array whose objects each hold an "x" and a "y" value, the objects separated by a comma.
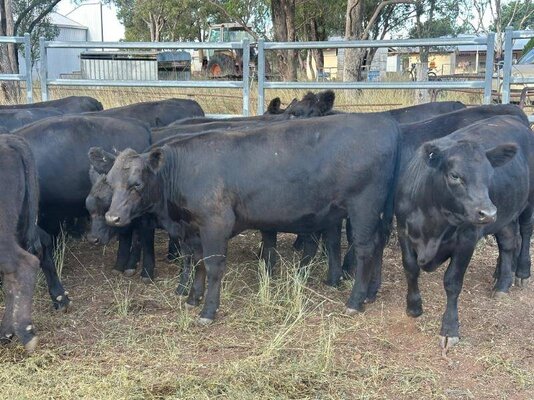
[{"x": 65, "y": 22}]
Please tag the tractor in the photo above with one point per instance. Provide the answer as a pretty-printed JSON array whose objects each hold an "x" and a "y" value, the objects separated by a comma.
[{"x": 228, "y": 63}]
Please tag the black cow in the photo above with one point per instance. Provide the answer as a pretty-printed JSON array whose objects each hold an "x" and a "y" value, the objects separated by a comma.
[
  {"x": 60, "y": 147},
  {"x": 311, "y": 105},
  {"x": 19, "y": 201},
  {"x": 420, "y": 112},
  {"x": 476, "y": 181},
  {"x": 223, "y": 192},
  {"x": 13, "y": 119},
  {"x": 414, "y": 135},
  {"x": 157, "y": 113},
  {"x": 138, "y": 237},
  {"x": 67, "y": 105}
]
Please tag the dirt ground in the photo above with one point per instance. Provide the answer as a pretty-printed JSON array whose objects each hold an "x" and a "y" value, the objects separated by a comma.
[{"x": 274, "y": 338}]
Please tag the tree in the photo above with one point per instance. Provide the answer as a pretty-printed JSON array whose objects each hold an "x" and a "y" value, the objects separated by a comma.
[
  {"x": 359, "y": 25},
  {"x": 317, "y": 20},
  {"x": 8, "y": 54},
  {"x": 283, "y": 18},
  {"x": 34, "y": 20}
]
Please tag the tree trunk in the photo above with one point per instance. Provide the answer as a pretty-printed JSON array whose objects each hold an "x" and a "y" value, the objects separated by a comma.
[
  {"x": 352, "y": 65},
  {"x": 317, "y": 54},
  {"x": 283, "y": 17},
  {"x": 8, "y": 61}
]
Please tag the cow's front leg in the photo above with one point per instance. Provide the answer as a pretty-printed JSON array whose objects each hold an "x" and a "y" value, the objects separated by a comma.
[
  {"x": 268, "y": 250},
  {"x": 214, "y": 238},
  {"x": 414, "y": 303},
  {"x": 453, "y": 282},
  {"x": 507, "y": 242}
]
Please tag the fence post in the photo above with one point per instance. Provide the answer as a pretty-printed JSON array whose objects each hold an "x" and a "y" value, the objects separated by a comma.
[
  {"x": 507, "y": 66},
  {"x": 28, "y": 63},
  {"x": 43, "y": 69},
  {"x": 488, "y": 78},
  {"x": 246, "y": 74},
  {"x": 261, "y": 77}
]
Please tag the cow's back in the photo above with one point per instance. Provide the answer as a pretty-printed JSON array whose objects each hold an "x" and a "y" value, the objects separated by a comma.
[
  {"x": 304, "y": 169},
  {"x": 61, "y": 144}
]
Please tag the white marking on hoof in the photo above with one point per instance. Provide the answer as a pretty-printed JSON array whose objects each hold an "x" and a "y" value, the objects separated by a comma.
[
  {"x": 446, "y": 342},
  {"x": 29, "y": 328},
  {"x": 66, "y": 293},
  {"x": 205, "y": 321},
  {"x": 189, "y": 306},
  {"x": 32, "y": 345},
  {"x": 59, "y": 298},
  {"x": 351, "y": 311},
  {"x": 147, "y": 280},
  {"x": 497, "y": 295},
  {"x": 8, "y": 336},
  {"x": 129, "y": 272},
  {"x": 521, "y": 282}
]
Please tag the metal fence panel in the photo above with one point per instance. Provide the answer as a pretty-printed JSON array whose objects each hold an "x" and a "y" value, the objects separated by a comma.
[
  {"x": 485, "y": 84},
  {"x": 27, "y": 76},
  {"x": 134, "y": 79}
]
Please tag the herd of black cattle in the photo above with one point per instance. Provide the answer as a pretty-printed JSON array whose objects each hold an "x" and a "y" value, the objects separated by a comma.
[{"x": 449, "y": 174}]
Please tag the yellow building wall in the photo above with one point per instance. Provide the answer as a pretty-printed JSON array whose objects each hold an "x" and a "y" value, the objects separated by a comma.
[{"x": 440, "y": 63}]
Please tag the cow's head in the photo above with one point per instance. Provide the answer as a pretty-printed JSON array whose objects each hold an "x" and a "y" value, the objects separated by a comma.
[
  {"x": 465, "y": 172},
  {"x": 312, "y": 105},
  {"x": 135, "y": 185},
  {"x": 97, "y": 203}
]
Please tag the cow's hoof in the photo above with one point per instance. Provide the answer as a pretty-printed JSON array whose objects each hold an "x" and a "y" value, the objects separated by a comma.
[
  {"x": 117, "y": 272},
  {"x": 129, "y": 272},
  {"x": 204, "y": 321},
  {"x": 181, "y": 290},
  {"x": 6, "y": 338},
  {"x": 370, "y": 299},
  {"x": 332, "y": 283},
  {"x": 414, "y": 310},
  {"x": 31, "y": 345},
  {"x": 62, "y": 303},
  {"x": 146, "y": 280},
  {"x": 189, "y": 306},
  {"x": 353, "y": 311},
  {"x": 521, "y": 282},
  {"x": 499, "y": 295},
  {"x": 446, "y": 342}
]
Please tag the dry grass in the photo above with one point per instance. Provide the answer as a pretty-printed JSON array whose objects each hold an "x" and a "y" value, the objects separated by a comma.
[
  {"x": 278, "y": 338},
  {"x": 229, "y": 101}
]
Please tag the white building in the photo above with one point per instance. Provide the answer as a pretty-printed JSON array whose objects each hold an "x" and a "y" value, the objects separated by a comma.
[{"x": 87, "y": 22}]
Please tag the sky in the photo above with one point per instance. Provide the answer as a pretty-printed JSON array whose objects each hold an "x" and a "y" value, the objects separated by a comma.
[{"x": 113, "y": 29}]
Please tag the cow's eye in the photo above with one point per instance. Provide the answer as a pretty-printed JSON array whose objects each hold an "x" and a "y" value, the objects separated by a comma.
[
  {"x": 455, "y": 178},
  {"x": 137, "y": 186}
]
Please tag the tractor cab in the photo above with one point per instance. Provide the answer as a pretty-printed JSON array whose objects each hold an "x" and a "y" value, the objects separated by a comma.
[{"x": 227, "y": 62}]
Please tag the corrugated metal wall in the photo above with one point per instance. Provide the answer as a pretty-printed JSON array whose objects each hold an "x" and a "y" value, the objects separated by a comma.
[
  {"x": 141, "y": 70},
  {"x": 65, "y": 60}
]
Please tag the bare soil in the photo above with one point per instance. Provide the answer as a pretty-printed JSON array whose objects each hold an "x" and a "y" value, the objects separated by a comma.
[{"x": 272, "y": 339}]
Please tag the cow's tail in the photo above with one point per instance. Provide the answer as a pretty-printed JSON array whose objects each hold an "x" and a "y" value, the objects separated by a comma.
[
  {"x": 30, "y": 209},
  {"x": 386, "y": 225}
]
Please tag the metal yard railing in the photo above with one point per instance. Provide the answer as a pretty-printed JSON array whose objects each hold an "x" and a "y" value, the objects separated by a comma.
[
  {"x": 27, "y": 76},
  {"x": 484, "y": 85},
  {"x": 507, "y": 79},
  {"x": 243, "y": 84}
]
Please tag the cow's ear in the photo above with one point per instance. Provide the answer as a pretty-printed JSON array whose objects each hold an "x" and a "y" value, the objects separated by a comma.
[
  {"x": 155, "y": 159},
  {"x": 326, "y": 100},
  {"x": 101, "y": 160},
  {"x": 433, "y": 155},
  {"x": 274, "y": 106},
  {"x": 501, "y": 154}
]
